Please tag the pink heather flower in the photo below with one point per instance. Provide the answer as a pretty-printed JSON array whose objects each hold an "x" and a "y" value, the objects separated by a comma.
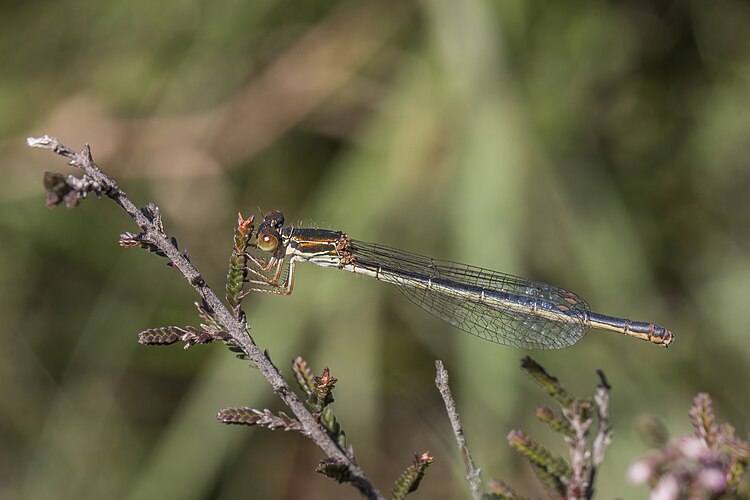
[
  {"x": 691, "y": 447},
  {"x": 639, "y": 472},
  {"x": 666, "y": 489},
  {"x": 712, "y": 479}
]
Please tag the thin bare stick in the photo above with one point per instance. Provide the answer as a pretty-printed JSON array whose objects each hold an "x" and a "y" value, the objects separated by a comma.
[
  {"x": 472, "y": 473},
  {"x": 237, "y": 329},
  {"x": 604, "y": 430},
  {"x": 579, "y": 455}
]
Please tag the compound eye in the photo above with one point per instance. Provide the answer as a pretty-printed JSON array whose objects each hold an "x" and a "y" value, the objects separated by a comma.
[{"x": 267, "y": 242}]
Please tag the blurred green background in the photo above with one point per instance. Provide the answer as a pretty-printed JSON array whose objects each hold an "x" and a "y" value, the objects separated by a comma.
[{"x": 601, "y": 147}]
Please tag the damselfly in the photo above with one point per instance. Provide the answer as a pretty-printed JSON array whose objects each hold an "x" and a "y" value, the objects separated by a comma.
[{"x": 495, "y": 306}]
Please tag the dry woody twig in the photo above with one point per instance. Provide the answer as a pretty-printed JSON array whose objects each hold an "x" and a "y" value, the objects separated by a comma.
[
  {"x": 472, "y": 473},
  {"x": 221, "y": 323}
]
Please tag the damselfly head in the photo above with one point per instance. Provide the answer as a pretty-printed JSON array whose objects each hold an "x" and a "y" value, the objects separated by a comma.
[{"x": 268, "y": 230}]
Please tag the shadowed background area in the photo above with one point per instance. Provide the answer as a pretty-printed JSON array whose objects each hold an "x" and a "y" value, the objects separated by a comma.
[{"x": 601, "y": 147}]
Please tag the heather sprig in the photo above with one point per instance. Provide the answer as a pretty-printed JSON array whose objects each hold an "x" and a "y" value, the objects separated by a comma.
[
  {"x": 711, "y": 463},
  {"x": 574, "y": 422},
  {"x": 409, "y": 480}
]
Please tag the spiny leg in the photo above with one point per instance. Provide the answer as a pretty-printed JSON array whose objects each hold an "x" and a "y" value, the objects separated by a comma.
[
  {"x": 263, "y": 278},
  {"x": 279, "y": 289},
  {"x": 263, "y": 265},
  {"x": 267, "y": 265}
]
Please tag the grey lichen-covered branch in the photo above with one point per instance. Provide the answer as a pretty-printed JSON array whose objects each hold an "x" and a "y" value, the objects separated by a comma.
[{"x": 94, "y": 180}]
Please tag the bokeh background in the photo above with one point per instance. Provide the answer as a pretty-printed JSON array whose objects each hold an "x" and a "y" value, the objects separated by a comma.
[{"x": 600, "y": 146}]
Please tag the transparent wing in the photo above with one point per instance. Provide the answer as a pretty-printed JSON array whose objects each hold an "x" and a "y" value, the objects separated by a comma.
[{"x": 496, "y": 323}]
